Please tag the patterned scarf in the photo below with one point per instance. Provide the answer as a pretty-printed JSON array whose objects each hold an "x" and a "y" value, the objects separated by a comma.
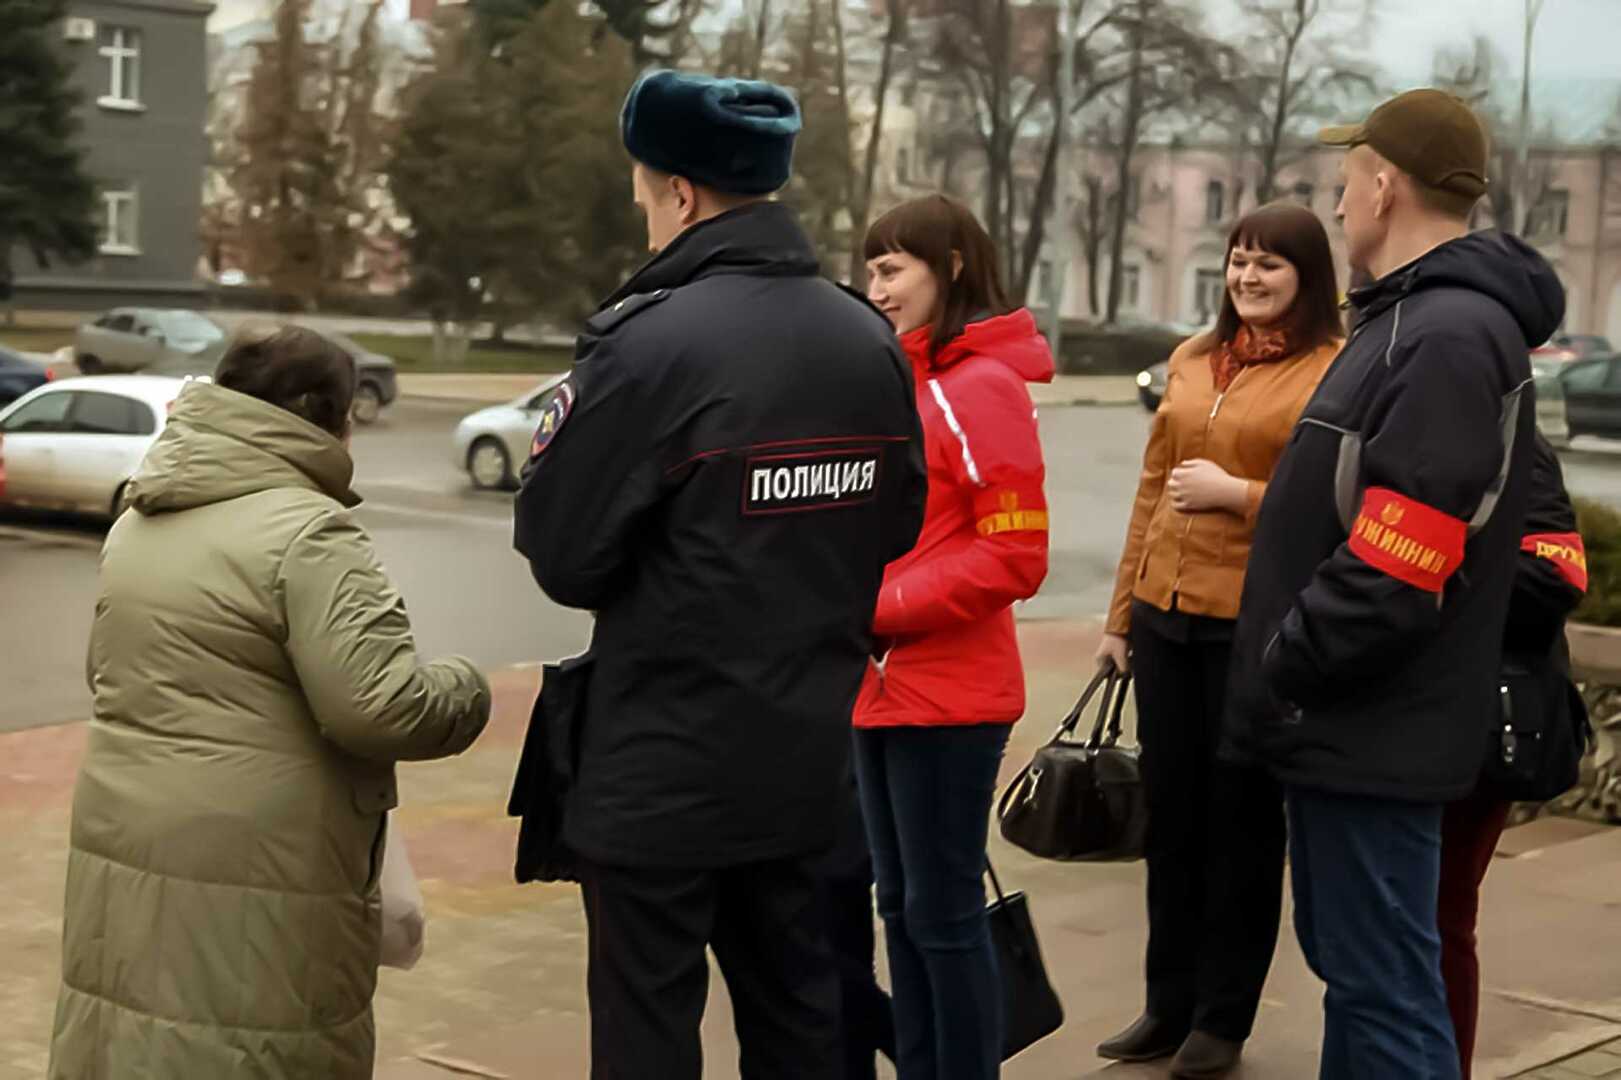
[{"x": 1248, "y": 347}]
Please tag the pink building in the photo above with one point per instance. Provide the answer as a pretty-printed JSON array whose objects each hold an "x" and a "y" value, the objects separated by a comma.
[{"x": 1186, "y": 197}]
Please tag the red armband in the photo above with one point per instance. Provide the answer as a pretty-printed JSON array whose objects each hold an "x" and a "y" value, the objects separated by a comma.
[
  {"x": 1564, "y": 550},
  {"x": 1411, "y": 542}
]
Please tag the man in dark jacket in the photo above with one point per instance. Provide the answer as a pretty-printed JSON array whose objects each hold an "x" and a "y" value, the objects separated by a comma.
[
  {"x": 1372, "y": 618},
  {"x": 722, "y": 479}
]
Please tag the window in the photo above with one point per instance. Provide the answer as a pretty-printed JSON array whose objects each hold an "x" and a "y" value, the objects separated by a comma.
[
  {"x": 1304, "y": 192},
  {"x": 541, "y": 400},
  {"x": 118, "y": 220},
  {"x": 110, "y": 414},
  {"x": 47, "y": 412},
  {"x": 1134, "y": 197},
  {"x": 1047, "y": 277},
  {"x": 903, "y": 165},
  {"x": 123, "y": 324},
  {"x": 1551, "y": 215},
  {"x": 1131, "y": 287},
  {"x": 121, "y": 48},
  {"x": 1215, "y": 203},
  {"x": 1208, "y": 287}
]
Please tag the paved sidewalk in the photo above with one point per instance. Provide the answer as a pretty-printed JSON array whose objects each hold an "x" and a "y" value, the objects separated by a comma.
[
  {"x": 1064, "y": 390},
  {"x": 500, "y": 991}
]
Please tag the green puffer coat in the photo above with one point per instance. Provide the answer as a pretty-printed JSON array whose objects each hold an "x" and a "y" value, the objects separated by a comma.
[{"x": 255, "y": 680}]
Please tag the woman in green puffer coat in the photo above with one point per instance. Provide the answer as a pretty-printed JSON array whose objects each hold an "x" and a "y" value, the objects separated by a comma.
[{"x": 255, "y": 680}]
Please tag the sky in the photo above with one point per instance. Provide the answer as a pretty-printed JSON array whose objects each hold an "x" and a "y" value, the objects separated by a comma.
[{"x": 1575, "y": 38}]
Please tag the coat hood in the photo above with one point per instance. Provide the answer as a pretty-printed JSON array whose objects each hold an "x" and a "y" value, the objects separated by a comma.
[
  {"x": 220, "y": 445},
  {"x": 1012, "y": 339},
  {"x": 1503, "y": 267}
]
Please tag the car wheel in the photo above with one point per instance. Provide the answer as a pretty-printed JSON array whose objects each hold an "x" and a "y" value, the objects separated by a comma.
[
  {"x": 90, "y": 365},
  {"x": 488, "y": 464},
  {"x": 368, "y": 404}
]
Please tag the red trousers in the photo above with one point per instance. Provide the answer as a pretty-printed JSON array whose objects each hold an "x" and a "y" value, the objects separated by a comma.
[{"x": 1470, "y": 830}]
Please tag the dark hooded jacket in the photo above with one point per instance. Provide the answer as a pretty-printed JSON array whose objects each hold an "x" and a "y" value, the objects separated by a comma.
[
  {"x": 1372, "y": 619},
  {"x": 736, "y": 457}
]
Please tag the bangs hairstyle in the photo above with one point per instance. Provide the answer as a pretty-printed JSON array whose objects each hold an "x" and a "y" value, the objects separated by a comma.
[
  {"x": 1290, "y": 231},
  {"x": 931, "y": 229}
]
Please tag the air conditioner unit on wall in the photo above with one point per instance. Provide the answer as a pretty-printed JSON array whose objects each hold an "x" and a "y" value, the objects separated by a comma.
[{"x": 79, "y": 29}]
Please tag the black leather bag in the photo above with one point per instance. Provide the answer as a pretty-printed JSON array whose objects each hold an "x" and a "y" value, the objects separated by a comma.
[
  {"x": 1030, "y": 1007},
  {"x": 1081, "y": 801},
  {"x": 1535, "y": 749},
  {"x": 546, "y": 770}
]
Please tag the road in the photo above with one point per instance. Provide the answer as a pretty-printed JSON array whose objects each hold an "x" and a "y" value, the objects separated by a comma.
[{"x": 449, "y": 550}]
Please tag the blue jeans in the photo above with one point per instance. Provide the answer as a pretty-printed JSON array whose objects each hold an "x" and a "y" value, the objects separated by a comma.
[
  {"x": 1366, "y": 876},
  {"x": 926, "y": 794}
]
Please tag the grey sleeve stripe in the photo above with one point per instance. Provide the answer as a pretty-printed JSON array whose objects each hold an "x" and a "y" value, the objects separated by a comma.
[
  {"x": 1395, "y": 329},
  {"x": 1509, "y": 429}
]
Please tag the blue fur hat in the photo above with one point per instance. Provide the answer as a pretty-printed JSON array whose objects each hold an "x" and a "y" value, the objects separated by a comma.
[{"x": 732, "y": 135}]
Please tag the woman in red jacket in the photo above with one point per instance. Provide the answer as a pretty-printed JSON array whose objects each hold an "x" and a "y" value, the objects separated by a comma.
[{"x": 934, "y": 711}]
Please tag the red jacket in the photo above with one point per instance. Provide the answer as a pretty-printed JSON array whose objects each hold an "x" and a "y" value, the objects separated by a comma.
[{"x": 946, "y": 607}]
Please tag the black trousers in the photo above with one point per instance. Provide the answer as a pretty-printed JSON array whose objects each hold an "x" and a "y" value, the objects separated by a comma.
[
  {"x": 648, "y": 977},
  {"x": 1216, "y": 833}
]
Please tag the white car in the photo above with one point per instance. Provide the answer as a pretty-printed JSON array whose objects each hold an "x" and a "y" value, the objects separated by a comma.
[
  {"x": 73, "y": 444},
  {"x": 492, "y": 444}
]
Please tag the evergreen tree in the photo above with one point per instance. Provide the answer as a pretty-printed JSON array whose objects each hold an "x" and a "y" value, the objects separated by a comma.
[
  {"x": 47, "y": 201},
  {"x": 511, "y": 172}
]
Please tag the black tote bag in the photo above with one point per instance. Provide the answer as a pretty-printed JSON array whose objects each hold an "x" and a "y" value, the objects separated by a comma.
[
  {"x": 1030, "y": 1007},
  {"x": 1081, "y": 801}
]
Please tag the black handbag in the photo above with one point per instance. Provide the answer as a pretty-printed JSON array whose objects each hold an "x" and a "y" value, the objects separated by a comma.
[
  {"x": 1534, "y": 751},
  {"x": 1031, "y": 1010},
  {"x": 1081, "y": 801},
  {"x": 546, "y": 771}
]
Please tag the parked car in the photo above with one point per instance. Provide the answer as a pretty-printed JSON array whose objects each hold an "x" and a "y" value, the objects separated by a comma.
[
  {"x": 166, "y": 341},
  {"x": 18, "y": 375},
  {"x": 378, "y": 380},
  {"x": 490, "y": 443},
  {"x": 1568, "y": 348},
  {"x": 1592, "y": 390},
  {"x": 73, "y": 444},
  {"x": 1551, "y": 419},
  {"x": 1151, "y": 385}
]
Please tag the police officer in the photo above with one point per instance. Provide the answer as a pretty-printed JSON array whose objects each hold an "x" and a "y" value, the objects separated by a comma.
[{"x": 722, "y": 479}]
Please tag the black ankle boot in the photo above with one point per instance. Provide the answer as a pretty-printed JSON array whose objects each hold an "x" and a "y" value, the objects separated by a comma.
[
  {"x": 1204, "y": 1055},
  {"x": 1149, "y": 1039}
]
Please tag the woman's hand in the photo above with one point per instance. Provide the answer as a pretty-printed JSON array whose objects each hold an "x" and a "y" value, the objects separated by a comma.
[
  {"x": 1197, "y": 486},
  {"x": 1113, "y": 649}
]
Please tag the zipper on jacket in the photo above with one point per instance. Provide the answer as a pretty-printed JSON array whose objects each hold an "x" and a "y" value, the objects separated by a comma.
[{"x": 1187, "y": 528}]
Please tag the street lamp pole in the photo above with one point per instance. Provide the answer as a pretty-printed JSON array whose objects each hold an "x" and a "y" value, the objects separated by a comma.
[{"x": 1069, "y": 31}]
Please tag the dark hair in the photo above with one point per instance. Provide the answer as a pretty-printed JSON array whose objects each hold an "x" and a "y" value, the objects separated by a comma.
[
  {"x": 295, "y": 369},
  {"x": 1292, "y": 232},
  {"x": 932, "y": 228}
]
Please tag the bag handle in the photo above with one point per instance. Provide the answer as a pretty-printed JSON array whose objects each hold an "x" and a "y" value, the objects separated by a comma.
[
  {"x": 1107, "y": 730},
  {"x": 1106, "y": 673}
]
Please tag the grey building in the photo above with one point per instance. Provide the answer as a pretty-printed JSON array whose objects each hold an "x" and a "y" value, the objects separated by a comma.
[{"x": 141, "y": 69}]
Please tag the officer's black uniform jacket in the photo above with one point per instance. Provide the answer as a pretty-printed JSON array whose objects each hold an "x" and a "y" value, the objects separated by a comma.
[
  {"x": 1371, "y": 624},
  {"x": 734, "y": 460}
]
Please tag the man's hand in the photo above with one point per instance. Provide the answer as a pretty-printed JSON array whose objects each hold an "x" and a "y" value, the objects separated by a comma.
[{"x": 1198, "y": 486}]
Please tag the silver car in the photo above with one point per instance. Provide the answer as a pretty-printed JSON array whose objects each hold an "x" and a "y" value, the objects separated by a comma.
[
  {"x": 492, "y": 443},
  {"x": 152, "y": 340}
]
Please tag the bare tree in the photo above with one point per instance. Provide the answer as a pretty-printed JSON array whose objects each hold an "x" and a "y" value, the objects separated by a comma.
[
  {"x": 1293, "y": 67},
  {"x": 1520, "y": 180},
  {"x": 861, "y": 189}
]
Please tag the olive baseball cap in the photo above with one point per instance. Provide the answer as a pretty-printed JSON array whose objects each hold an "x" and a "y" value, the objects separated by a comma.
[{"x": 1428, "y": 134}]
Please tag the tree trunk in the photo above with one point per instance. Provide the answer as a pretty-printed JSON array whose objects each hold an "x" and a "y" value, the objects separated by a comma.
[
  {"x": 1037, "y": 233},
  {"x": 758, "y": 64},
  {"x": 1130, "y": 124},
  {"x": 1280, "y": 113},
  {"x": 861, "y": 210}
]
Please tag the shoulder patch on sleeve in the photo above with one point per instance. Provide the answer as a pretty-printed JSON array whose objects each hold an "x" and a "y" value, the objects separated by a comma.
[
  {"x": 610, "y": 317},
  {"x": 552, "y": 416}
]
